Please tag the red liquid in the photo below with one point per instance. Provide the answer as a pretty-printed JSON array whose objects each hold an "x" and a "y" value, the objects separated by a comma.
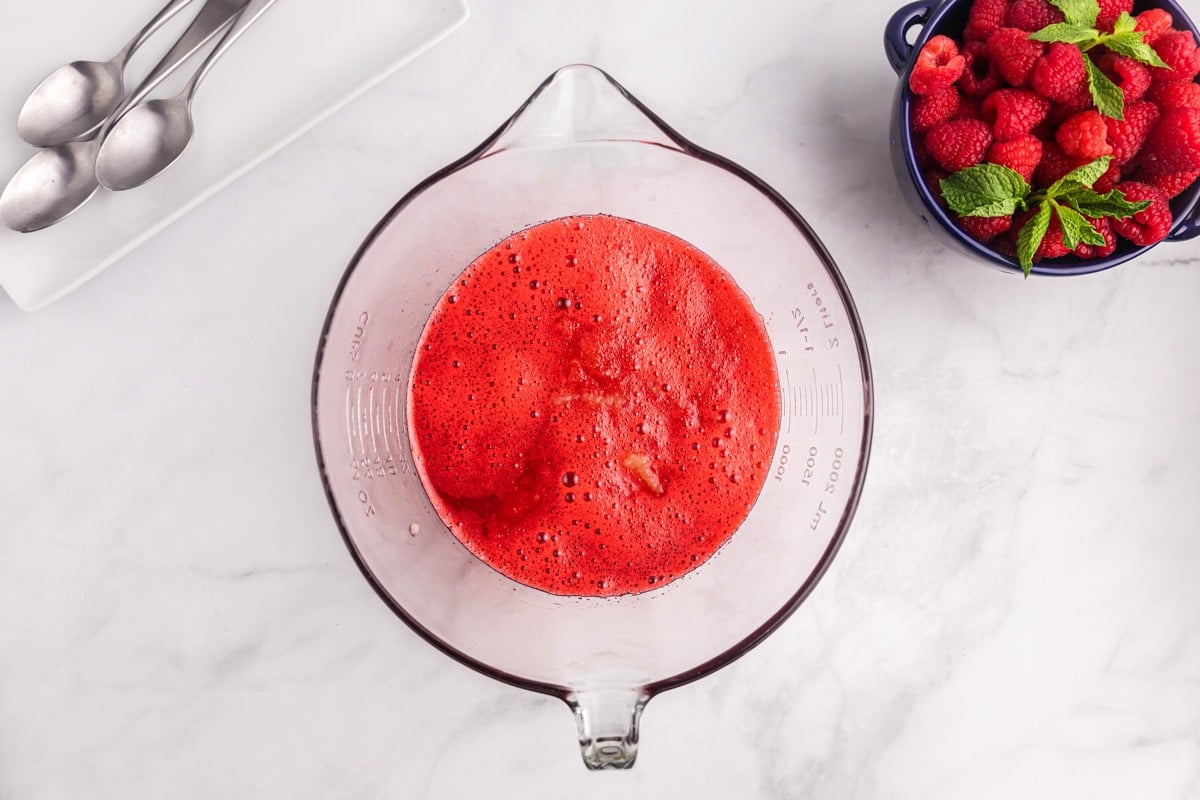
[{"x": 594, "y": 407}]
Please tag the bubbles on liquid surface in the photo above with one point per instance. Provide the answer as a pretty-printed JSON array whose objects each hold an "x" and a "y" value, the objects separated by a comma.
[{"x": 624, "y": 371}]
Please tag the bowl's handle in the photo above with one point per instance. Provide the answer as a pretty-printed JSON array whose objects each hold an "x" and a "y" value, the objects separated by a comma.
[
  {"x": 895, "y": 35},
  {"x": 1188, "y": 227},
  {"x": 608, "y": 722}
]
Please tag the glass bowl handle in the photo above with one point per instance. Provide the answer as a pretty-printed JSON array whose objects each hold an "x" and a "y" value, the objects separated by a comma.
[
  {"x": 608, "y": 719},
  {"x": 895, "y": 35}
]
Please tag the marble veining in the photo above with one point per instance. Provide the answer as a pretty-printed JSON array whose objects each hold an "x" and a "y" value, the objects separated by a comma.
[{"x": 1014, "y": 614}]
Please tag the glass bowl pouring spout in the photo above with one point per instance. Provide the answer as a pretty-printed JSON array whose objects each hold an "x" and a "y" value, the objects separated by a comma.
[
  {"x": 582, "y": 145},
  {"x": 577, "y": 104}
]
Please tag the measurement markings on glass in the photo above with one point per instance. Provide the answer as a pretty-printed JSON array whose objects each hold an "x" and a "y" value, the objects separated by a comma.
[
  {"x": 358, "y": 422},
  {"x": 370, "y": 418},
  {"x": 373, "y": 424},
  {"x": 814, "y": 398},
  {"x": 350, "y": 418},
  {"x": 383, "y": 420},
  {"x": 840, "y": 391},
  {"x": 396, "y": 416}
]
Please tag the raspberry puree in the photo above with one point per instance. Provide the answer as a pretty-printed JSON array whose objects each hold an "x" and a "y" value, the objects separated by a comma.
[{"x": 594, "y": 407}]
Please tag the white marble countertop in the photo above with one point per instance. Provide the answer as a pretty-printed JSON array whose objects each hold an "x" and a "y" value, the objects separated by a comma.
[{"x": 1016, "y": 612}]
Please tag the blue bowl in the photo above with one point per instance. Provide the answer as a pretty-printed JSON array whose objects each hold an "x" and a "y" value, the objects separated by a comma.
[{"x": 949, "y": 18}]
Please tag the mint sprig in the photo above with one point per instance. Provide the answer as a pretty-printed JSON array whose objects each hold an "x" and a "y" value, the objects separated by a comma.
[
  {"x": 1029, "y": 238},
  {"x": 992, "y": 190},
  {"x": 1078, "y": 12},
  {"x": 985, "y": 190},
  {"x": 1108, "y": 97},
  {"x": 1079, "y": 28}
]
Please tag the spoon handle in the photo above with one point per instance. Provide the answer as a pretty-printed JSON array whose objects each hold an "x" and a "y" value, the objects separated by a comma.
[
  {"x": 245, "y": 19},
  {"x": 214, "y": 16},
  {"x": 166, "y": 13}
]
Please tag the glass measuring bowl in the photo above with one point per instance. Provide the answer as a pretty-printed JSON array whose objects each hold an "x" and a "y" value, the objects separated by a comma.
[{"x": 583, "y": 145}]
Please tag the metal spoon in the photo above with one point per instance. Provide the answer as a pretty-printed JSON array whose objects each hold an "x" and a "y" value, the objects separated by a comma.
[
  {"x": 150, "y": 137},
  {"x": 58, "y": 180},
  {"x": 73, "y": 100}
]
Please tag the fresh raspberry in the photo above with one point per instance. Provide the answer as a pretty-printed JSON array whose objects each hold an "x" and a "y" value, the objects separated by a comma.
[
  {"x": 1054, "y": 164},
  {"x": 938, "y": 65},
  {"x": 1081, "y": 100},
  {"x": 1031, "y": 15},
  {"x": 1174, "y": 94},
  {"x": 984, "y": 229},
  {"x": 1178, "y": 49},
  {"x": 1154, "y": 23},
  {"x": 1084, "y": 135},
  {"x": 959, "y": 143},
  {"x": 1110, "y": 10},
  {"x": 1173, "y": 144},
  {"x": 969, "y": 108},
  {"x": 1014, "y": 54},
  {"x": 1110, "y": 178},
  {"x": 1151, "y": 224},
  {"x": 1060, "y": 73},
  {"x": 1172, "y": 184},
  {"x": 1104, "y": 228},
  {"x": 921, "y": 153},
  {"x": 1006, "y": 243},
  {"x": 934, "y": 108},
  {"x": 1133, "y": 77},
  {"x": 933, "y": 181},
  {"x": 1021, "y": 154},
  {"x": 1128, "y": 135},
  {"x": 985, "y": 17},
  {"x": 1014, "y": 112},
  {"x": 980, "y": 76},
  {"x": 1052, "y": 245}
]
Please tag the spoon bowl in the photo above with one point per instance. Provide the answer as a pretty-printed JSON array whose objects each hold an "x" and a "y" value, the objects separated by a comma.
[
  {"x": 150, "y": 136},
  {"x": 71, "y": 102},
  {"x": 51, "y": 185},
  {"x": 74, "y": 100},
  {"x": 143, "y": 143},
  {"x": 59, "y": 179}
]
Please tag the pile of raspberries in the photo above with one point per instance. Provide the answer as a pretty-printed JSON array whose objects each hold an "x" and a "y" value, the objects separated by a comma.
[{"x": 1000, "y": 97}]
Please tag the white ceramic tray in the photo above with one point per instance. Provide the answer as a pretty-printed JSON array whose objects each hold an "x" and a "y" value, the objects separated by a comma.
[{"x": 265, "y": 92}]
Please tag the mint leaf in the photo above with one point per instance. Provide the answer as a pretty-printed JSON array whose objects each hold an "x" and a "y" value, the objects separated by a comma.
[
  {"x": 1079, "y": 29},
  {"x": 999, "y": 208},
  {"x": 1125, "y": 23},
  {"x": 1030, "y": 236},
  {"x": 1132, "y": 44},
  {"x": 985, "y": 190},
  {"x": 1080, "y": 177},
  {"x": 1078, "y": 12},
  {"x": 1075, "y": 228},
  {"x": 1065, "y": 32},
  {"x": 1110, "y": 204},
  {"x": 1109, "y": 99}
]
